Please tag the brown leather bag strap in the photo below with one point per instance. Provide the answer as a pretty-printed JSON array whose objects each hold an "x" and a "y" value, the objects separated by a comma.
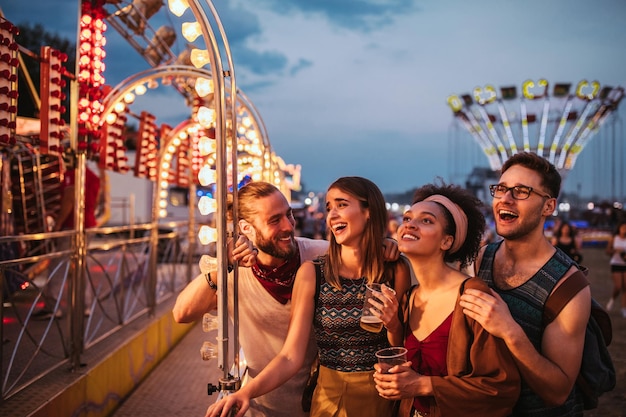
[{"x": 562, "y": 295}]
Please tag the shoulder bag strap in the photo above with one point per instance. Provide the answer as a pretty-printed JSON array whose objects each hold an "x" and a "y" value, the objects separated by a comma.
[{"x": 562, "y": 295}]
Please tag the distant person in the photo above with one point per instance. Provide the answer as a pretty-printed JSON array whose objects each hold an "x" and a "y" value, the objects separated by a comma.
[
  {"x": 565, "y": 237},
  {"x": 330, "y": 312},
  {"x": 265, "y": 293},
  {"x": 523, "y": 270},
  {"x": 457, "y": 368},
  {"x": 616, "y": 249}
]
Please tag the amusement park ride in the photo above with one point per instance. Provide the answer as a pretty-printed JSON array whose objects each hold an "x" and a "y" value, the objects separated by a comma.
[
  {"x": 555, "y": 124},
  {"x": 221, "y": 145}
]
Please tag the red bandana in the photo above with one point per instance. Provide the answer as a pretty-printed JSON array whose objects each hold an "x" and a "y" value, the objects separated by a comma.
[{"x": 278, "y": 281}]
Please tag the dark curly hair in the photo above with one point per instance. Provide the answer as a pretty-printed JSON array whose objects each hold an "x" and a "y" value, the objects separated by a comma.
[{"x": 471, "y": 206}]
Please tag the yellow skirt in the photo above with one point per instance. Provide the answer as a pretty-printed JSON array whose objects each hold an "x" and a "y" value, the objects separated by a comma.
[{"x": 348, "y": 394}]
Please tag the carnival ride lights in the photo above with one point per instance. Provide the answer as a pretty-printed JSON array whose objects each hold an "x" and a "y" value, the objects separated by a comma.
[
  {"x": 556, "y": 126},
  {"x": 90, "y": 74},
  {"x": 8, "y": 81},
  {"x": 254, "y": 158},
  {"x": 216, "y": 116}
]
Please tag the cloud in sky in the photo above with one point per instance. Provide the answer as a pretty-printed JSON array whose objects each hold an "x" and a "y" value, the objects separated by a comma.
[{"x": 359, "y": 87}]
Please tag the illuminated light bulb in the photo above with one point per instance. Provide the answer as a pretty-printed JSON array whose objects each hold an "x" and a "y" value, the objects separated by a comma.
[
  {"x": 167, "y": 157},
  {"x": 119, "y": 107},
  {"x": 164, "y": 184},
  {"x": 206, "y": 116},
  {"x": 162, "y": 213},
  {"x": 252, "y": 135},
  {"x": 207, "y": 235},
  {"x": 152, "y": 84},
  {"x": 207, "y": 205},
  {"x": 162, "y": 204},
  {"x": 176, "y": 142},
  {"x": 111, "y": 118},
  {"x": 140, "y": 90},
  {"x": 129, "y": 98},
  {"x": 165, "y": 165},
  {"x": 163, "y": 193},
  {"x": 177, "y": 7},
  {"x": 246, "y": 121},
  {"x": 206, "y": 146},
  {"x": 191, "y": 31},
  {"x": 171, "y": 149},
  {"x": 206, "y": 176},
  {"x": 85, "y": 19},
  {"x": 199, "y": 57},
  {"x": 204, "y": 87}
]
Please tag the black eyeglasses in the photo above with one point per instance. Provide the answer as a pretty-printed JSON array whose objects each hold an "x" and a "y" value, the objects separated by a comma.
[{"x": 519, "y": 192}]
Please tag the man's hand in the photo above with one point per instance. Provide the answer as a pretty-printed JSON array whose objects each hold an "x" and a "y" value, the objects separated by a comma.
[
  {"x": 390, "y": 250},
  {"x": 244, "y": 252}
]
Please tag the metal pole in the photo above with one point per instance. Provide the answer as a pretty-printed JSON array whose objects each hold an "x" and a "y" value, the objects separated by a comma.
[{"x": 76, "y": 289}]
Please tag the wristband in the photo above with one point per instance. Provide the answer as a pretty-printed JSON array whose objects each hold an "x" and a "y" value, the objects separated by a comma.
[{"x": 210, "y": 282}]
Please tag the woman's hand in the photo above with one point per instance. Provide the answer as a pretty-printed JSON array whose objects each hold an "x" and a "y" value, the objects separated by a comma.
[
  {"x": 400, "y": 382},
  {"x": 385, "y": 306},
  {"x": 238, "y": 402}
]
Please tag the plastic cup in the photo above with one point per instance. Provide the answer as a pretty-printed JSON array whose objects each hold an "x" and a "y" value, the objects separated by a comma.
[
  {"x": 369, "y": 321},
  {"x": 390, "y": 357}
]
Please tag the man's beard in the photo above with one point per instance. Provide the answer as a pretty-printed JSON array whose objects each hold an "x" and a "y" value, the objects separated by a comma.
[{"x": 272, "y": 246}]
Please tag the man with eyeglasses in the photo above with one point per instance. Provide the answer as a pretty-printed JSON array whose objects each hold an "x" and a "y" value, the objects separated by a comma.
[{"x": 523, "y": 269}]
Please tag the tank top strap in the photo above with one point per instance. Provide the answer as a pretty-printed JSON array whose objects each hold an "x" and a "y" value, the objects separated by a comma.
[{"x": 486, "y": 263}]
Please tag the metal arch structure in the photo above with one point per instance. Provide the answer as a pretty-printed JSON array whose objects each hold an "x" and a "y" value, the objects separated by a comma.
[
  {"x": 556, "y": 125},
  {"x": 220, "y": 61},
  {"x": 253, "y": 145}
]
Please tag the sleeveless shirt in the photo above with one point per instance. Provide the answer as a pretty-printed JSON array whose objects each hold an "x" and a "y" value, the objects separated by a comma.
[
  {"x": 428, "y": 357},
  {"x": 619, "y": 244},
  {"x": 342, "y": 344},
  {"x": 526, "y": 303}
]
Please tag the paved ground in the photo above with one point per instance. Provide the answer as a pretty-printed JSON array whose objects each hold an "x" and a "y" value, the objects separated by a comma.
[{"x": 178, "y": 386}]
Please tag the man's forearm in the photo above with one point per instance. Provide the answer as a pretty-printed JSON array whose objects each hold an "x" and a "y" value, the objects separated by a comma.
[{"x": 194, "y": 300}]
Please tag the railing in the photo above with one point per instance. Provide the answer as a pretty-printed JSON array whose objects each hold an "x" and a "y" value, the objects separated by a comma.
[{"x": 119, "y": 286}]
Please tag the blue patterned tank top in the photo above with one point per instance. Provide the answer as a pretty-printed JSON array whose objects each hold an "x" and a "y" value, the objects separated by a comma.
[
  {"x": 343, "y": 345},
  {"x": 526, "y": 304}
]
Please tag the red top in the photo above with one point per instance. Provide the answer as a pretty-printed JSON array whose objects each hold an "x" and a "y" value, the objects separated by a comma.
[{"x": 429, "y": 357}]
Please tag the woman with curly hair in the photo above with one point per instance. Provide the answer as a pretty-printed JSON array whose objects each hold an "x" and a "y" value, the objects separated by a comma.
[{"x": 455, "y": 367}]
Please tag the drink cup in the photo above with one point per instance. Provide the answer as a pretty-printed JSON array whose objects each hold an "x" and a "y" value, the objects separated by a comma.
[
  {"x": 369, "y": 321},
  {"x": 390, "y": 357}
]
